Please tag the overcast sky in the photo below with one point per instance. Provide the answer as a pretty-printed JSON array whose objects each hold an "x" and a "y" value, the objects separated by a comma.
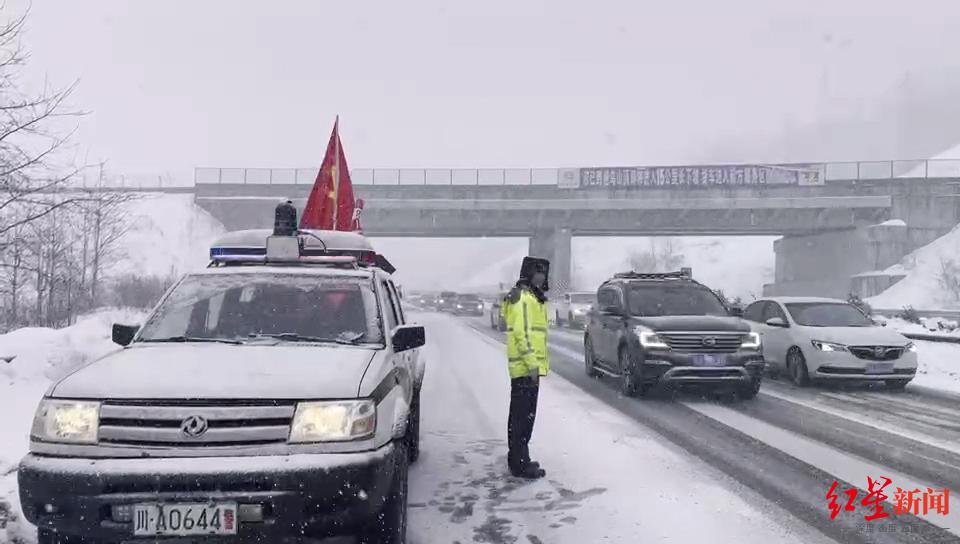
[{"x": 175, "y": 84}]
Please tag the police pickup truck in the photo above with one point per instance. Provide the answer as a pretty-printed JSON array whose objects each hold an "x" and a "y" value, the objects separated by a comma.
[
  {"x": 667, "y": 328},
  {"x": 273, "y": 394}
]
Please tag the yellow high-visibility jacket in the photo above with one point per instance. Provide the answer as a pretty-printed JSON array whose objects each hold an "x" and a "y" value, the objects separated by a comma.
[{"x": 526, "y": 319}]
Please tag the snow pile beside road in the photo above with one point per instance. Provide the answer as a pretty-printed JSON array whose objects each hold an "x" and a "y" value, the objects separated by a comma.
[
  {"x": 42, "y": 356},
  {"x": 939, "y": 365},
  {"x": 169, "y": 235},
  {"x": 921, "y": 288}
]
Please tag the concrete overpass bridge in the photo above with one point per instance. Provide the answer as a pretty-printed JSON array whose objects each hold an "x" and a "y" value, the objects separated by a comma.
[{"x": 835, "y": 223}]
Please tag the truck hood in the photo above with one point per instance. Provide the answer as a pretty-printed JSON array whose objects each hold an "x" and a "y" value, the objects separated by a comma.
[
  {"x": 856, "y": 336},
  {"x": 691, "y": 323},
  {"x": 220, "y": 371}
]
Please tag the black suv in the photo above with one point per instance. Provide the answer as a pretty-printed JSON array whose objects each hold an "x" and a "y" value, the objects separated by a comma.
[{"x": 666, "y": 328}]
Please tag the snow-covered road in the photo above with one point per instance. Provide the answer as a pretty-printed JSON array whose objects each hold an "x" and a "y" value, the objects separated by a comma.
[{"x": 620, "y": 470}]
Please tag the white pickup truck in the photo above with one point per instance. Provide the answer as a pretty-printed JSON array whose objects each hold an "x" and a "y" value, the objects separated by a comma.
[{"x": 572, "y": 308}]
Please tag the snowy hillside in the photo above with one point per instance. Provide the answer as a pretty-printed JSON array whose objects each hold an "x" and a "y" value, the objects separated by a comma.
[
  {"x": 922, "y": 287},
  {"x": 168, "y": 235}
]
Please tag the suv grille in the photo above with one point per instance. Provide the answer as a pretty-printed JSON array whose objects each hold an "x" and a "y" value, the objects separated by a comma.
[
  {"x": 198, "y": 424},
  {"x": 703, "y": 342},
  {"x": 877, "y": 353}
]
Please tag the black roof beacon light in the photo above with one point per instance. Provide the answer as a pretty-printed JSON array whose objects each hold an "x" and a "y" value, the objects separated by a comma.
[{"x": 285, "y": 219}]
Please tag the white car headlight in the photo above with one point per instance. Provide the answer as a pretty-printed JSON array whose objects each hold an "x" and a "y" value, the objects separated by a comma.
[
  {"x": 911, "y": 347},
  {"x": 333, "y": 421},
  {"x": 752, "y": 341},
  {"x": 66, "y": 421},
  {"x": 828, "y": 346},
  {"x": 649, "y": 339}
]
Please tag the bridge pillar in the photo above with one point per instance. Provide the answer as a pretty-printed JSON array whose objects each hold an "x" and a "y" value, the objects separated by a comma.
[{"x": 555, "y": 246}]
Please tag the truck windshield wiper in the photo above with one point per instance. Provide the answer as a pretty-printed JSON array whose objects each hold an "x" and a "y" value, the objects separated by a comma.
[
  {"x": 192, "y": 339},
  {"x": 294, "y": 337}
]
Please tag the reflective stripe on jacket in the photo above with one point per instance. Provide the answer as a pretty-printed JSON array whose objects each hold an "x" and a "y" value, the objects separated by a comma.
[{"x": 527, "y": 336}]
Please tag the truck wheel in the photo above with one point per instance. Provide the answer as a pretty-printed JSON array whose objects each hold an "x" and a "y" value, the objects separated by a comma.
[
  {"x": 413, "y": 430},
  {"x": 389, "y": 526}
]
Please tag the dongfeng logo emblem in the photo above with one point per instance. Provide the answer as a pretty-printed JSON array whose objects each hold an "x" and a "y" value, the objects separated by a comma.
[
  {"x": 194, "y": 426},
  {"x": 709, "y": 341}
]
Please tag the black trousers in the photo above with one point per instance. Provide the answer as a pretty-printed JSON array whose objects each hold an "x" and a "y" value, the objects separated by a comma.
[{"x": 524, "y": 392}]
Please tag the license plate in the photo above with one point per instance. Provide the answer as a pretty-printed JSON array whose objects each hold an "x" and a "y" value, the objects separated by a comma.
[
  {"x": 879, "y": 368},
  {"x": 709, "y": 359},
  {"x": 185, "y": 519}
]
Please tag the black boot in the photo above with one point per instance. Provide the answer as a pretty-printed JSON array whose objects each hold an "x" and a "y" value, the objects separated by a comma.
[{"x": 529, "y": 471}]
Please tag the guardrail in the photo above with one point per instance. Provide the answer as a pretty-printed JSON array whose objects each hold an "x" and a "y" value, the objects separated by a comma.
[{"x": 828, "y": 171}]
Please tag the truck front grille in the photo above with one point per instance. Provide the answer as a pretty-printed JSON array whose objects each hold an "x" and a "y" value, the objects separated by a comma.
[
  {"x": 703, "y": 342},
  {"x": 194, "y": 424}
]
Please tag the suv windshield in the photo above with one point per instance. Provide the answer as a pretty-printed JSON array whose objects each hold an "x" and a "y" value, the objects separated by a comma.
[
  {"x": 827, "y": 314},
  {"x": 582, "y": 298},
  {"x": 658, "y": 300},
  {"x": 286, "y": 306}
]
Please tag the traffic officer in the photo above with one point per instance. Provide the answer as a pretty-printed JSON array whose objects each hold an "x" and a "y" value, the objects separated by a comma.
[{"x": 526, "y": 316}]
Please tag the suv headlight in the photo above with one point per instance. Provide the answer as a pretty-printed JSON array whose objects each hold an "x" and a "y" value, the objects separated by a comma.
[
  {"x": 66, "y": 421},
  {"x": 911, "y": 347},
  {"x": 649, "y": 339},
  {"x": 335, "y": 421},
  {"x": 751, "y": 341},
  {"x": 828, "y": 346}
]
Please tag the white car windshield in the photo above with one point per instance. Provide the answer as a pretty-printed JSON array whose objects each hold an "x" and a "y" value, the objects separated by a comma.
[
  {"x": 827, "y": 314},
  {"x": 240, "y": 307}
]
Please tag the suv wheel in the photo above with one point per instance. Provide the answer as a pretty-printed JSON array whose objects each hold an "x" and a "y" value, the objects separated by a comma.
[
  {"x": 589, "y": 360},
  {"x": 797, "y": 366},
  {"x": 628, "y": 383},
  {"x": 389, "y": 526},
  {"x": 750, "y": 391},
  {"x": 559, "y": 321},
  {"x": 413, "y": 430}
]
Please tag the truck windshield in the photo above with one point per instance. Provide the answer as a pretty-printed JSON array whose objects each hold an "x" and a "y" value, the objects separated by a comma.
[
  {"x": 829, "y": 314},
  {"x": 659, "y": 300},
  {"x": 248, "y": 306}
]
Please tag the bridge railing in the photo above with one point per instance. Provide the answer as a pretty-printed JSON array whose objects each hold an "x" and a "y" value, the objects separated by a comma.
[
  {"x": 830, "y": 171},
  {"x": 384, "y": 176}
]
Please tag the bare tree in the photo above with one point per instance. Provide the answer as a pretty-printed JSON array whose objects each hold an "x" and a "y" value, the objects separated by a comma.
[
  {"x": 31, "y": 139},
  {"x": 949, "y": 278},
  {"x": 661, "y": 257}
]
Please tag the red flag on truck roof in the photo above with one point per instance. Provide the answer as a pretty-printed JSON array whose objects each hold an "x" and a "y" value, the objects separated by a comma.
[{"x": 331, "y": 205}]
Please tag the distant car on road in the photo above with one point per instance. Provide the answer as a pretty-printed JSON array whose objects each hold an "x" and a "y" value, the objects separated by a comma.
[
  {"x": 468, "y": 304},
  {"x": 666, "y": 328},
  {"x": 447, "y": 301},
  {"x": 820, "y": 339},
  {"x": 573, "y": 308},
  {"x": 427, "y": 302}
]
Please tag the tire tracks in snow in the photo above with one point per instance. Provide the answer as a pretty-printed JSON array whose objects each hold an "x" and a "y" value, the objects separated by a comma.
[{"x": 796, "y": 486}]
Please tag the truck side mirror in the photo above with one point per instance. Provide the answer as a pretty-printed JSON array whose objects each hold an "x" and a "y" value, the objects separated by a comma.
[{"x": 123, "y": 334}]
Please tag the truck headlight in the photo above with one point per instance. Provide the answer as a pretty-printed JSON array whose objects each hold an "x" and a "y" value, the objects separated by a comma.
[
  {"x": 649, "y": 339},
  {"x": 911, "y": 347},
  {"x": 333, "y": 421},
  {"x": 66, "y": 421},
  {"x": 828, "y": 346},
  {"x": 751, "y": 341}
]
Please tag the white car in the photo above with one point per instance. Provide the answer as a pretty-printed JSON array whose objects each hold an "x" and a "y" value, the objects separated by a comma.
[
  {"x": 573, "y": 308},
  {"x": 828, "y": 339}
]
